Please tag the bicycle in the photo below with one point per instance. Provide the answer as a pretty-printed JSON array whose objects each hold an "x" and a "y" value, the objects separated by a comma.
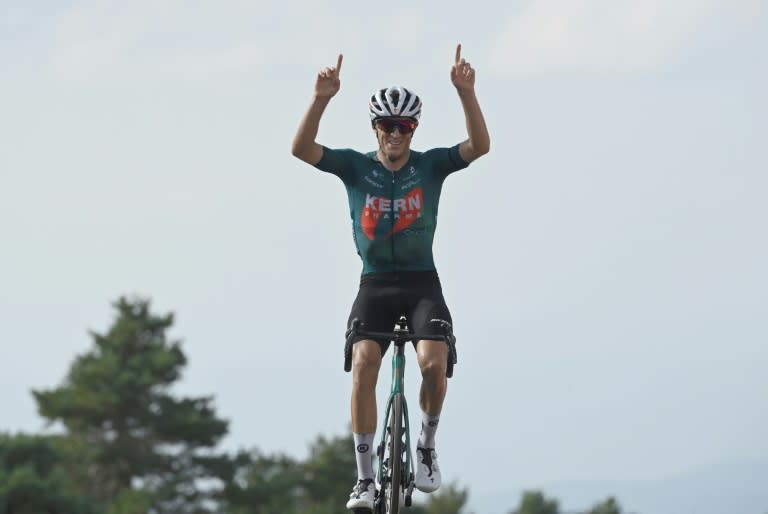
[{"x": 395, "y": 467}]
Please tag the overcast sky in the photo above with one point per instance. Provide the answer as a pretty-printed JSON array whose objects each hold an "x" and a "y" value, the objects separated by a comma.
[{"x": 605, "y": 264}]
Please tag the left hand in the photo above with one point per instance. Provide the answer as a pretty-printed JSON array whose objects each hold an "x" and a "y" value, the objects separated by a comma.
[{"x": 462, "y": 74}]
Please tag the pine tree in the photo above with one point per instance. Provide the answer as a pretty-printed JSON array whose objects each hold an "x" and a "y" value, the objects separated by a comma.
[
  {"x": 33, "y": 480},
  {"x": 534, "y": 502},
  {"x": 609, "y": 506},
  {"x": 126, "y": 430}
]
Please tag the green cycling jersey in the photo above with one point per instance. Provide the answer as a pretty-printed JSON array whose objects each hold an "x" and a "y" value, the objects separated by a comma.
[{"x": 394, "y": 213}]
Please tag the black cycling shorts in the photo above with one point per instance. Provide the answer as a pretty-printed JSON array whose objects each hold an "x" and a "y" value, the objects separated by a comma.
[{"x": 384, "y": 297}]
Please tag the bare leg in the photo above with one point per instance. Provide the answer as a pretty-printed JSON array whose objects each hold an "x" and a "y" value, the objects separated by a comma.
[
  {"x": 433, "y": 361},
  {"x": 366, "y": 361}
]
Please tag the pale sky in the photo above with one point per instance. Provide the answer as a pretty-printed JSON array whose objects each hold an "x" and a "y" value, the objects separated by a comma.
[{"x": 604, "y": 264}]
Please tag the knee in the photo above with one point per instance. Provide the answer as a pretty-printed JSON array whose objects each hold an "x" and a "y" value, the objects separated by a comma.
[
  {"x": 434, "y": 368},
  {"x": 366, "y": 360},
  {"x": 433, "y": 360}
]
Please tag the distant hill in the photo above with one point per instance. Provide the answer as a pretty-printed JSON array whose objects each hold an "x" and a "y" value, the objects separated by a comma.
[{"x": 727, "y": 488}]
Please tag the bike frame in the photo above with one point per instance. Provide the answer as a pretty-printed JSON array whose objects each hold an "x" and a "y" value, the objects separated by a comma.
[
  {"x": 398, "y": 389},
  {"x": 396, "y": 404}
]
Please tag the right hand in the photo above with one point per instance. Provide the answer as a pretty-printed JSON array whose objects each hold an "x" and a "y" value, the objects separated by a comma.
[
  {"x": 328, "y": 83},
  {"x": 462, "y": 74}
]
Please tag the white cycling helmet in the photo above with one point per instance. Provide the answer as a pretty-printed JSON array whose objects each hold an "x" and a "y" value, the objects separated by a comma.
[{"x": 394, "y": 101}]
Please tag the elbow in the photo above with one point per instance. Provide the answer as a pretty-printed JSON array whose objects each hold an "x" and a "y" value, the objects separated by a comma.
[
  {"x": 481, "y": 148},
  {"x": 311, "y": 154},
  {"x": 485, "y": 144},
  {"x": 300, "y": 153}
]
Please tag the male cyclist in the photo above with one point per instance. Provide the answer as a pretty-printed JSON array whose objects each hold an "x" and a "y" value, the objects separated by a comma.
[{"x": 393, "y": 197}]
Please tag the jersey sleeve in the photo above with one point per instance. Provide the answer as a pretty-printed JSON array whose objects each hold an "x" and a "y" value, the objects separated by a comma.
[
  {"x": 446, "y": 160},
  {"x": 339, "y": 162}
]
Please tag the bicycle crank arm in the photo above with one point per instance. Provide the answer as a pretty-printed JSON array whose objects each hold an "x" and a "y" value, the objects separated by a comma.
[{"x": 408, "y": 495}]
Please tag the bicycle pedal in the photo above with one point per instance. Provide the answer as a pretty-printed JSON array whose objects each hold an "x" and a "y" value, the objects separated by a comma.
[{"x": 408, "y": 500}]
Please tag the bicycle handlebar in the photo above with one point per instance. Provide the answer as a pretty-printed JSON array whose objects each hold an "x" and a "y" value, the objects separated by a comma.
[{"x": 401, "y": 336}]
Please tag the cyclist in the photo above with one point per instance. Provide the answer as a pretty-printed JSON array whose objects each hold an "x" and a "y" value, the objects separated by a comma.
[{"x": 393, "y": 196}]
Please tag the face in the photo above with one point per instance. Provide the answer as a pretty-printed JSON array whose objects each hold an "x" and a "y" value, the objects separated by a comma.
[{"x": 394, "y": 135}]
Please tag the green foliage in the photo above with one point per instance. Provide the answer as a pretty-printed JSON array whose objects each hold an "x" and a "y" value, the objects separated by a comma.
[
  {"x": 609, "y": 506},
  {"x": 122, "y": 420},
  {"x": 282, "y": 485},
  {"x": 330, "y": 470},
  {"x": 449, "y": 499},
  {"x": 131, "y": 502},
  {"x": 318, "y": 485},
  {"x": 131, "y": 447},
  {"x": 33, "y": 481},
  {"x": 534, "y": 502}
]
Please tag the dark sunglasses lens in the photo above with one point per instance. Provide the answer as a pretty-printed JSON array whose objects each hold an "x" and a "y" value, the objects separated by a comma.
[{"x": 404, "y": 126}]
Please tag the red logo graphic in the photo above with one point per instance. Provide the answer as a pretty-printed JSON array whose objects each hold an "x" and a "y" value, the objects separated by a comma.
[{"x": 405, "y": 211}]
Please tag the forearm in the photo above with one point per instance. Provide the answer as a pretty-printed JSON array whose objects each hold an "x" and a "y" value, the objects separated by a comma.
[
  {"x": 304, "y": 145},
  {"x": 478, "y": 142}
]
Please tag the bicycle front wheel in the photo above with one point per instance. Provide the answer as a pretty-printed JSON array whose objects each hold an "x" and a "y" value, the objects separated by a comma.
[{"x": 393, "y": 482}]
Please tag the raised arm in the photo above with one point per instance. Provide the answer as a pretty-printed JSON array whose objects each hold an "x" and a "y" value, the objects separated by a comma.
[
  {"x": 326, "y": 86},
  {"x": 463, "y": 78}
]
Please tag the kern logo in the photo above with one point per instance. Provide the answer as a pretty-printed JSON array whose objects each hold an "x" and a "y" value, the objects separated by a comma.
[
  {"x": 363, "y": 448},
  {"x": 404, "y": 210}
]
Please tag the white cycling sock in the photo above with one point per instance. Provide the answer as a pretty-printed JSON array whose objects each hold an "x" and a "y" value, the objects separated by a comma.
[
  {"x": 364, "y": 455},
  {"x": 428, "y": 429}
]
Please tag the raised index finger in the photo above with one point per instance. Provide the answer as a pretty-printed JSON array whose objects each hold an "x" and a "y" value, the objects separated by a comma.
[
  {"x": 338, "y": 63},
  {"x": 458, "y": 53}
]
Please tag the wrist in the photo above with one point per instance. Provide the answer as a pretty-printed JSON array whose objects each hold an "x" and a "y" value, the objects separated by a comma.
[
  {"x": 321, "y": 99},
  {"x": 466, "y": 93}
]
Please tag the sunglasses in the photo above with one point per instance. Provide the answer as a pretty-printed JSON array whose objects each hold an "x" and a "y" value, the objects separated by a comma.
[{"x": 405, "y": 126}]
